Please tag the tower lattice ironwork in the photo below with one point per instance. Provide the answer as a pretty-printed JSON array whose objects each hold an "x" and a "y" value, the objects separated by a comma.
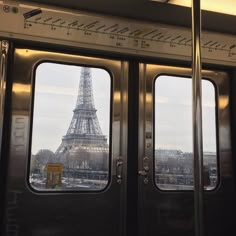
[{"x": 84, "y": 132}]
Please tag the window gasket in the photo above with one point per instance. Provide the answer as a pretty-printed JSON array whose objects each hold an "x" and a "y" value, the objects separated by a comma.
[
  {"x": 215, "y": 86},
  {"x": 32, "y": 101}
]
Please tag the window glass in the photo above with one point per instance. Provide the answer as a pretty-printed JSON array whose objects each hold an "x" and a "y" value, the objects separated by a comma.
[
  {"x": 70, "y": 133},
  {"x": 174, "y": 134}
]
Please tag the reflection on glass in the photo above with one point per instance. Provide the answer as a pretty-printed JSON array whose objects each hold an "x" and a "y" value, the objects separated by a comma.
[
  {"x": 173, "y": 134},
  {"x": 70, "y": 148}
]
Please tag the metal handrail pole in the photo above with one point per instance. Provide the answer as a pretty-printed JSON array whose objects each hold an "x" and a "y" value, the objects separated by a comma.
[{"x": 197, "y": 117}]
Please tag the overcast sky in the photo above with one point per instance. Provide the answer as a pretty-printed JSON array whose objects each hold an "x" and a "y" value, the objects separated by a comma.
[
  {"x": 56, "y": 92},
  {"x": 173, "y": 114}
]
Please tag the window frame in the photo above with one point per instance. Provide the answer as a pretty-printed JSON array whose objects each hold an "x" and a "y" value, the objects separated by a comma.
[
  {"x": 31, "y": 123},
  {"x": 215, "y": 86}
]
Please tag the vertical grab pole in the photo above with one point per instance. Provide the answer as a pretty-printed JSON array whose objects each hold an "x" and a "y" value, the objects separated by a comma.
[{"x": 197, "y": 117}]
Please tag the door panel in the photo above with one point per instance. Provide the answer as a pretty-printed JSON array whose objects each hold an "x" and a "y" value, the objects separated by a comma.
[
  {"x": 166, "y": 203},
  {"x": 52, "y": 209}
]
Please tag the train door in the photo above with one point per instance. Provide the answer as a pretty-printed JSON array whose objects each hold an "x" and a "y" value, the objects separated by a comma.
[
  {"x": 166, "y": 200},
  {"x": 66, "y": 164}
]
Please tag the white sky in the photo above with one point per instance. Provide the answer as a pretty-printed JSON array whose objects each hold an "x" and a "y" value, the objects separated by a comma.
[
  {"x": 173, "y": 114},
  {"x": 56, "y": 92}
]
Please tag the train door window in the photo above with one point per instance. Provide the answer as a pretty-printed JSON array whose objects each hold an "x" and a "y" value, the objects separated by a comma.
[
  {"x": 71, "y": 128},
  {"x": 173, "y": 133}
]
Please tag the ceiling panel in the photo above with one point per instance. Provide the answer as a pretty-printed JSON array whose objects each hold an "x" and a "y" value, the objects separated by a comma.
[{"x": 149, "y": 11}]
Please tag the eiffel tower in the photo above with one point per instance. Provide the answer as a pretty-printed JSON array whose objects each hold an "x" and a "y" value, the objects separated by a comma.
[{"x": 84, "y": 144}]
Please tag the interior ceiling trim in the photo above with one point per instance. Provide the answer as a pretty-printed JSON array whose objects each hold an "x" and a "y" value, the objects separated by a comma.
[
  {"x": 94, "y": 31},
  {"x": 149, "y": 11}
]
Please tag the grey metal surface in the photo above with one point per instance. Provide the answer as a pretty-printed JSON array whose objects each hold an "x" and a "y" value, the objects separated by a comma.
[
  {"x": 111, "y": 34},
  {"x": 70, "y": 213},
  {"x": 148, "y": 10},
  {"x": 197, "y": 117},
  {"x": 4, "y": 48},
  {"x": 171, "y": 212}
]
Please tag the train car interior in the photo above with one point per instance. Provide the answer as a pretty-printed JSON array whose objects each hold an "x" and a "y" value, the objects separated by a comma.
[{"x": 117, "y": 117}]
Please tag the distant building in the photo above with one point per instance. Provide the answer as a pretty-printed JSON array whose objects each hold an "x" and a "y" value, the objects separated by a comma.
[{"x": 175, "y": 168}]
